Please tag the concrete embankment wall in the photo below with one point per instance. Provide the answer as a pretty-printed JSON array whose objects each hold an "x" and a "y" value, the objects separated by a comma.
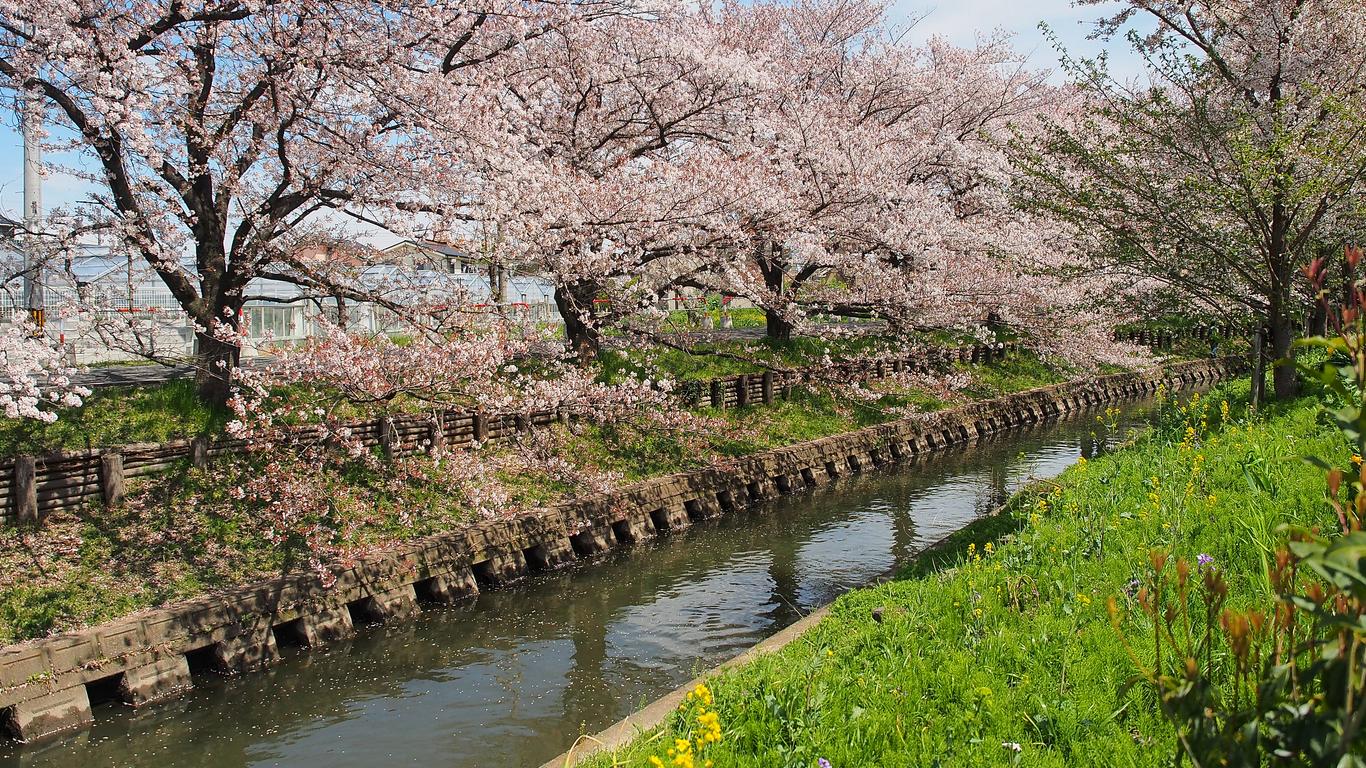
[{"x": 147, "y": 657}]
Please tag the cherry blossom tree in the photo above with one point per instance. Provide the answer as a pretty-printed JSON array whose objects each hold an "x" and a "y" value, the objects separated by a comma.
[
  {"x": 876, "y": 182},
  {"x": 219, "y": 129},
  {"x": 612, "y": 180},
  {"x": 1223, "y": 172},
  {"x": 798, "y": 155}
]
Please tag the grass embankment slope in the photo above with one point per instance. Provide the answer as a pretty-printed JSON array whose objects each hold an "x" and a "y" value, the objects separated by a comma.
[
  {"x": 997, "y": 649},
  {"x": 170, "y": 410},
  {"x": 184, "y": 533},
  {"x": 150, "y": 413}
]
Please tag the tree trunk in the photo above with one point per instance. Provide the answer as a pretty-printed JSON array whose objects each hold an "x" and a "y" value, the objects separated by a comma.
[
  {"x": 215, "y": 363},
  {"x": 1285, "y": 380},
  {"x": 498, "y": 284},
  {"x": 776, "y": 327},
  {"x": 581, "y": 335},
  {"x": 217, "y": 315},
  {"x": 995, "y": 323},
  {"x": 1258, "y": 368},
  {"x": 1318, "y": 321},
  {"x": 1281, "y": 324},
  {"x": 767, "y": 256}
]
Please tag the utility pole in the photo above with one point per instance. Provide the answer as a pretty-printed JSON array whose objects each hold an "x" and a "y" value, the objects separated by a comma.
[{"x": 33, "y": 210}]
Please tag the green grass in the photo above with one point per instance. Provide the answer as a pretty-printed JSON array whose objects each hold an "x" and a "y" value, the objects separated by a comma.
[
  {"x": 743, "y": 317},
  {"x": 1015, "y": 646},
  {"x": 709, "y": 360},
  {"x": 642, "y": 453},
  {"x": 1017, "y": 372},
  {"x": 639, "y": 453},
  {"x": 117, "y": 416},
  {"x": 181, "y": 534},
  {"x": 808, "y": 415}
]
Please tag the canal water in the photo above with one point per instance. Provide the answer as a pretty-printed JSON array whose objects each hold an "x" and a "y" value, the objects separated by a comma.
[{"x": 513, "y": 680}]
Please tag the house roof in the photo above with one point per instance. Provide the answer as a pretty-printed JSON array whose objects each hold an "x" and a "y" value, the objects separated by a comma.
[{"x": 429, "y": 245}]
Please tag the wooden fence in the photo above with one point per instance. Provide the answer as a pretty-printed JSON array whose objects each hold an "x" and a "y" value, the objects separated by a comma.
[
  {"x": 1164, "y": 339},
  {"x": 33, "y": 487}
]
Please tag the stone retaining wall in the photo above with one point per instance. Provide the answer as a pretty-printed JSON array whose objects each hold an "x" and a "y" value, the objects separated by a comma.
[{"x": 147, "y": 657}]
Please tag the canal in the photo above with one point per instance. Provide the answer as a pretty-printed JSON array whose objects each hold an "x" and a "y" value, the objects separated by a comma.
[{"x": 512, "y": 680}]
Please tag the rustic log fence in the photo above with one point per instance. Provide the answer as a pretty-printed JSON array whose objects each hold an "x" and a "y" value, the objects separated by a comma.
[
  {"x": 32, "y": 487},
  {"x": 1166, "y": 338}
]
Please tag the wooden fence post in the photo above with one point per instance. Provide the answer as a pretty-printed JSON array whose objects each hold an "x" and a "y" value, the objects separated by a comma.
[
  {"x": 387, "y": 437},
  {"x": 717, "y": 398},
  {"x": 111, "y": 478},
  {"x": 26, "y": 489},
  {"x": 742, "y": 390},
  {"x": 523, "y": 422},
  {"x": 199, "y": 452},
  {"x": 481, "y": 426},
  {"x": 768, "y": 387},
  {"x": 437, "y": 434}
]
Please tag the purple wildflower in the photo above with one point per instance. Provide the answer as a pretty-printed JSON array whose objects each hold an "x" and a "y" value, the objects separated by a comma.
[
  {"x": 822, "y": 762},
  {"x": 1204, "y": 560}
]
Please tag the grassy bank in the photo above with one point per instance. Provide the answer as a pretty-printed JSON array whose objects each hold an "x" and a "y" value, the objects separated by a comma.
[
  {"x": 190, "y": 531},
  {"x": 694, "y": 360},
  {"x": 116, "y": 416},
  {"x": 997, "y": 649},
  {"x": 170, "y": 410}
]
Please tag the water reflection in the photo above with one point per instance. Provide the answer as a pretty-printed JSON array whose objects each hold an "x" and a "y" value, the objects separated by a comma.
[{"x": 512, "y": 681}]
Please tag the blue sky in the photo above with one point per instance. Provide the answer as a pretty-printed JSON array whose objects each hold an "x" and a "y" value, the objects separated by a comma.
[
  {"x": 958, "y": 20},
  {"x": 962, "y": 20}
]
